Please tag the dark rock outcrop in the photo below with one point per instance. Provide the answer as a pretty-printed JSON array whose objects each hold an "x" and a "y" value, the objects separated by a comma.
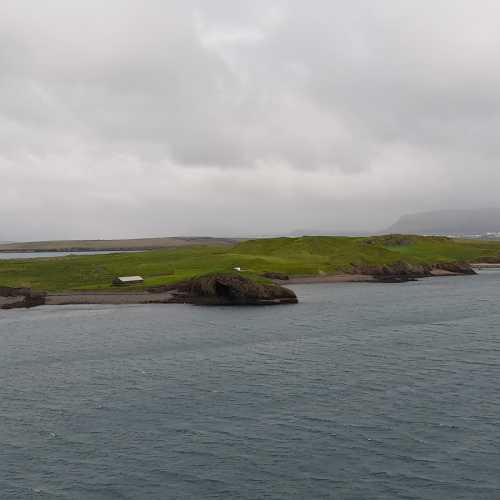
[
  {"x": 11, "y": 298},
  {"x": 227, "y": 289},
  {"x": 276, "y": 276},
  {"x": 400, "y": 272}
]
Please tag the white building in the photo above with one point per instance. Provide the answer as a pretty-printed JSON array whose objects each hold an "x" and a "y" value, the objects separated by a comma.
[{"x": 128, "y": 280}]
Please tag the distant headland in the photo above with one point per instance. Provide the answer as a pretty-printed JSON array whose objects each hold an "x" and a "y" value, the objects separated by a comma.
[
  {"x": 480, "y": 223},
  {"x": 120, "y": 245}
]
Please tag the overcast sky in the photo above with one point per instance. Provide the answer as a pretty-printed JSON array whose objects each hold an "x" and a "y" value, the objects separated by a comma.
[{"x": 225, "y": 117}]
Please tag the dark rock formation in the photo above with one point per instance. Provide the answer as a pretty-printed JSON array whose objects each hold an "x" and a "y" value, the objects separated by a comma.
[
  {"x": 11, "y": 298},
  {"x": 397, "y": 272},
  {"x": 455, "y": 267},
  {"x": 276, "y": 276},
  {"x": 400, "y": 272},
  {"x": 228, "y": 289}
]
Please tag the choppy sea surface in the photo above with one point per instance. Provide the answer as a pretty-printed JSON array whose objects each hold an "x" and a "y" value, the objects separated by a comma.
[{"x": 361, "y": 391}]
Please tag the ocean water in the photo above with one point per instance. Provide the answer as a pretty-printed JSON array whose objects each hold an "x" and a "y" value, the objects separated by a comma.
[
  {"x": 361, "y": 391},
  {"x": 39, "y": 255}
]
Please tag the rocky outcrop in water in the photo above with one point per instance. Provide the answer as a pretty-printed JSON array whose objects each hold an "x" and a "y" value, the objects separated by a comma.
[
  {"x": 394, "y": 273},
  {"x": 11, "y": 298},
  {"x": 401, "y": 271},
  {"x": 228, "y": 289},
  {"x": 455, "y": 268}
]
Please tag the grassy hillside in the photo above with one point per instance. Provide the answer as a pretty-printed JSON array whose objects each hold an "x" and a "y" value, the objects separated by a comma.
[{"x": 294, "y": 256}]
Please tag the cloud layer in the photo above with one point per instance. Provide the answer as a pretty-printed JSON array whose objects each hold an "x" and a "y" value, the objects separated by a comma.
[{"x": 127, "y": 118}]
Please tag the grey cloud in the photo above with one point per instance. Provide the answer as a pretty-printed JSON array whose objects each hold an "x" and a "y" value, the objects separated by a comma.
[{"x": 193, "y": 107}]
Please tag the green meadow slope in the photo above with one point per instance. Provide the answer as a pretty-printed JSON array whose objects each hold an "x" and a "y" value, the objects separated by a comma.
[{"x": 317, "y": 255}]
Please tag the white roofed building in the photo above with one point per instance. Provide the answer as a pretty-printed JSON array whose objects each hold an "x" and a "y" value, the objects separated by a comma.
[{"x": 128, "y": 280}]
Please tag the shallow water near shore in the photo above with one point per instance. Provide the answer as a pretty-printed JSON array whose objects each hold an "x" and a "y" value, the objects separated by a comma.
[
  {"x": 361, "y": 391},
  {"x": 42, "y": 255}
]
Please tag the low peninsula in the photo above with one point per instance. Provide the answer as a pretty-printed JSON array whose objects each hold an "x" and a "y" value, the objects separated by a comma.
[{"x": 238, "y": 273}]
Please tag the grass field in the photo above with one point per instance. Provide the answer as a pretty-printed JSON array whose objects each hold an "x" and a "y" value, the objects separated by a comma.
[
  {"x": 294, "y": 256},
  {"x": 113, "y": 245}
]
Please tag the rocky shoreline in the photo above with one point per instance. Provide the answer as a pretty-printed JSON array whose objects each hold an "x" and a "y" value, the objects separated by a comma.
[
  {"x": 229, "y": 289},
  {"x": 207, "y": 290},
  {"x": 398, "y": 273},
  {"x": 12, "y": 298},
  {"x": 486, "y": 265}
]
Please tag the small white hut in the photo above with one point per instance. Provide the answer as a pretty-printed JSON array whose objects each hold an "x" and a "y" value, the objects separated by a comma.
[{"x": 128, "y": 280}]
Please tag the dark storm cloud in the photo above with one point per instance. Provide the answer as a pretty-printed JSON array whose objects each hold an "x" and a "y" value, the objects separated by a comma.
[{"x": 131, "y": 118}]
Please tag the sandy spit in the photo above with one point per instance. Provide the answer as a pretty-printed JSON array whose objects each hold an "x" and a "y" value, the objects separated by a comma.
[
  {"x": 353, "y": 278},
  {"x": 443, "y": 272},
  {"x": 330, "y": 278},
  {"x": 58, "y": 299},
  {"x": 7, "y": 301}
]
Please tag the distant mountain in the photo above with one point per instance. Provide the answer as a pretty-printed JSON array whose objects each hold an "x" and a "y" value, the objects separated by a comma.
[{"x": 449, "y": 222}]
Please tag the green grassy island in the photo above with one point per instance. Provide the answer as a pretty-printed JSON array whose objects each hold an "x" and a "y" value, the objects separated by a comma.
[{"x": 308, "y": 256}]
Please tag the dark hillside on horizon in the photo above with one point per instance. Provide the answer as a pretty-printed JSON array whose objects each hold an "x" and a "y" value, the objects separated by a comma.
[
  {"x": 114, "y": 245},
  {"x": 449, "y": 222}
]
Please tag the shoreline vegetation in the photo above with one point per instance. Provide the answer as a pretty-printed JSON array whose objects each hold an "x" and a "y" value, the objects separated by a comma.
[{"x": 236, "y": 273}]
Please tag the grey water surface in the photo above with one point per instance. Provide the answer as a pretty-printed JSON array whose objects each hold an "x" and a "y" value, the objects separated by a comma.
[
  {"x": 361, "y": 391},
  {"x": 41, "y": 255}
]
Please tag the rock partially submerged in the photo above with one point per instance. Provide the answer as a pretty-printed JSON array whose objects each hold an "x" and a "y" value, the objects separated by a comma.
[
  {"x": 400, "y": 272},
  {"x": 11, "y": 298},
  {"x": 228, "y": 289}
]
